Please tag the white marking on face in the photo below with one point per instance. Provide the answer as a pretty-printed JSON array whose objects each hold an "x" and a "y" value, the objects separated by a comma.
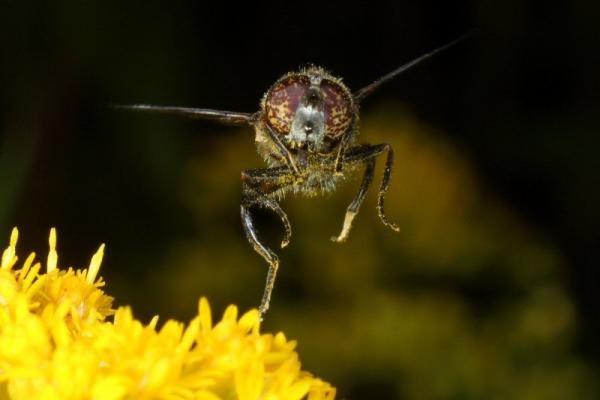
[{"x": 308, "y": 127}]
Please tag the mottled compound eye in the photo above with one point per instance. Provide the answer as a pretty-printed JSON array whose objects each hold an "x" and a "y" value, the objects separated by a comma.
[
  {"x": 282, "y": 101},
  {"x": 338, "y": 108}
]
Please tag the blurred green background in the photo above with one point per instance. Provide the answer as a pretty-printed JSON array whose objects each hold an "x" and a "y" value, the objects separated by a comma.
[{"x": 489, "y": 290}]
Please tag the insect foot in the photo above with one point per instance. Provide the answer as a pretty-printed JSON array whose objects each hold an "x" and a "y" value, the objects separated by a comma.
[{"x": 341, "y": 238}]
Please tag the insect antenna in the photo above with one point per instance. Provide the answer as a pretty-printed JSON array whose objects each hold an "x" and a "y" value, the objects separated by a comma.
[
  {"x": 367, "y": 90},
  {"x": 224, "y": 117}
]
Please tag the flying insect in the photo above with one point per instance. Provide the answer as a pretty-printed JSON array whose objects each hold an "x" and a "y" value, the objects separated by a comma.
[{"x": 306, "y": 131}]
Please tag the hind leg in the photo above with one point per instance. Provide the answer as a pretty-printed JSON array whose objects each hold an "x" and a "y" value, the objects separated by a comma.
[{"x": 256, "y": 184}]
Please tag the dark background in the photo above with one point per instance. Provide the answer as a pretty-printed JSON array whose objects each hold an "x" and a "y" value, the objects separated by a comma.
[{"x": 517, "y": 102}]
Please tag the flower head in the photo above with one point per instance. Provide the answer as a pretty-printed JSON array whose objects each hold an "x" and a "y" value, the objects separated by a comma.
[{"x": 57, "y": 343}]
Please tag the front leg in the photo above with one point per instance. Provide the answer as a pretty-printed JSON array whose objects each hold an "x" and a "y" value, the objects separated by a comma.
[
  {"x": 283, "y": 151},
  {"x": 343, "y": 146},
  {"x": 256, "y": 185}
]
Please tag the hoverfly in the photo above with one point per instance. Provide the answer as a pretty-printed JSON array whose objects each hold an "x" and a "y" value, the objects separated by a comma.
[{"x": 306, "y": 131}]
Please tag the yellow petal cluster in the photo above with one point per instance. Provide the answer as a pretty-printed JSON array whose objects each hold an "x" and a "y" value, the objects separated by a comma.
[{"x": 56, "y": 342}]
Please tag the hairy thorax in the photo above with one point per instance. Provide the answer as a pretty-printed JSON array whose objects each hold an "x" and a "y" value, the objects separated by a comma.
[
  {"x": 316, "y": 177},
  {"x": 316, "y": 170}
]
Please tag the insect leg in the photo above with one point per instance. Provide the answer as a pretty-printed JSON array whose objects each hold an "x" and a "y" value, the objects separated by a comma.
[
  {"x": 344, "y": 142},
  {"x": 266, "y": 253},
  {"x": 284, "y": 152},
  {"x": 355, "y": 205},
  {"x": 256, "y": 184},
  {"x": 385, "y": 184},
  {"x": 365, "y": 152}
]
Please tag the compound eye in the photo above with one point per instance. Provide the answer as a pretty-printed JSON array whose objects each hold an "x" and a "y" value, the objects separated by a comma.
[
  {"x": 338, "y": 108},
  {"x": 282, "y": 101}
]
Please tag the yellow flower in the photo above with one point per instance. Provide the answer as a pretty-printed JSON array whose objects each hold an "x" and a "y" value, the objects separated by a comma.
[{"x": 55, "y": 343}]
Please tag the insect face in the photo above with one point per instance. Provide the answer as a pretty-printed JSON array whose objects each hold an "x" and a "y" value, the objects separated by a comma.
[{"x": 310, "y": 109}]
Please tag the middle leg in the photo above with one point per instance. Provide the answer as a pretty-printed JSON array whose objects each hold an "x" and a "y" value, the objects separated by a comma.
[{"x": 353, "y": 208}]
